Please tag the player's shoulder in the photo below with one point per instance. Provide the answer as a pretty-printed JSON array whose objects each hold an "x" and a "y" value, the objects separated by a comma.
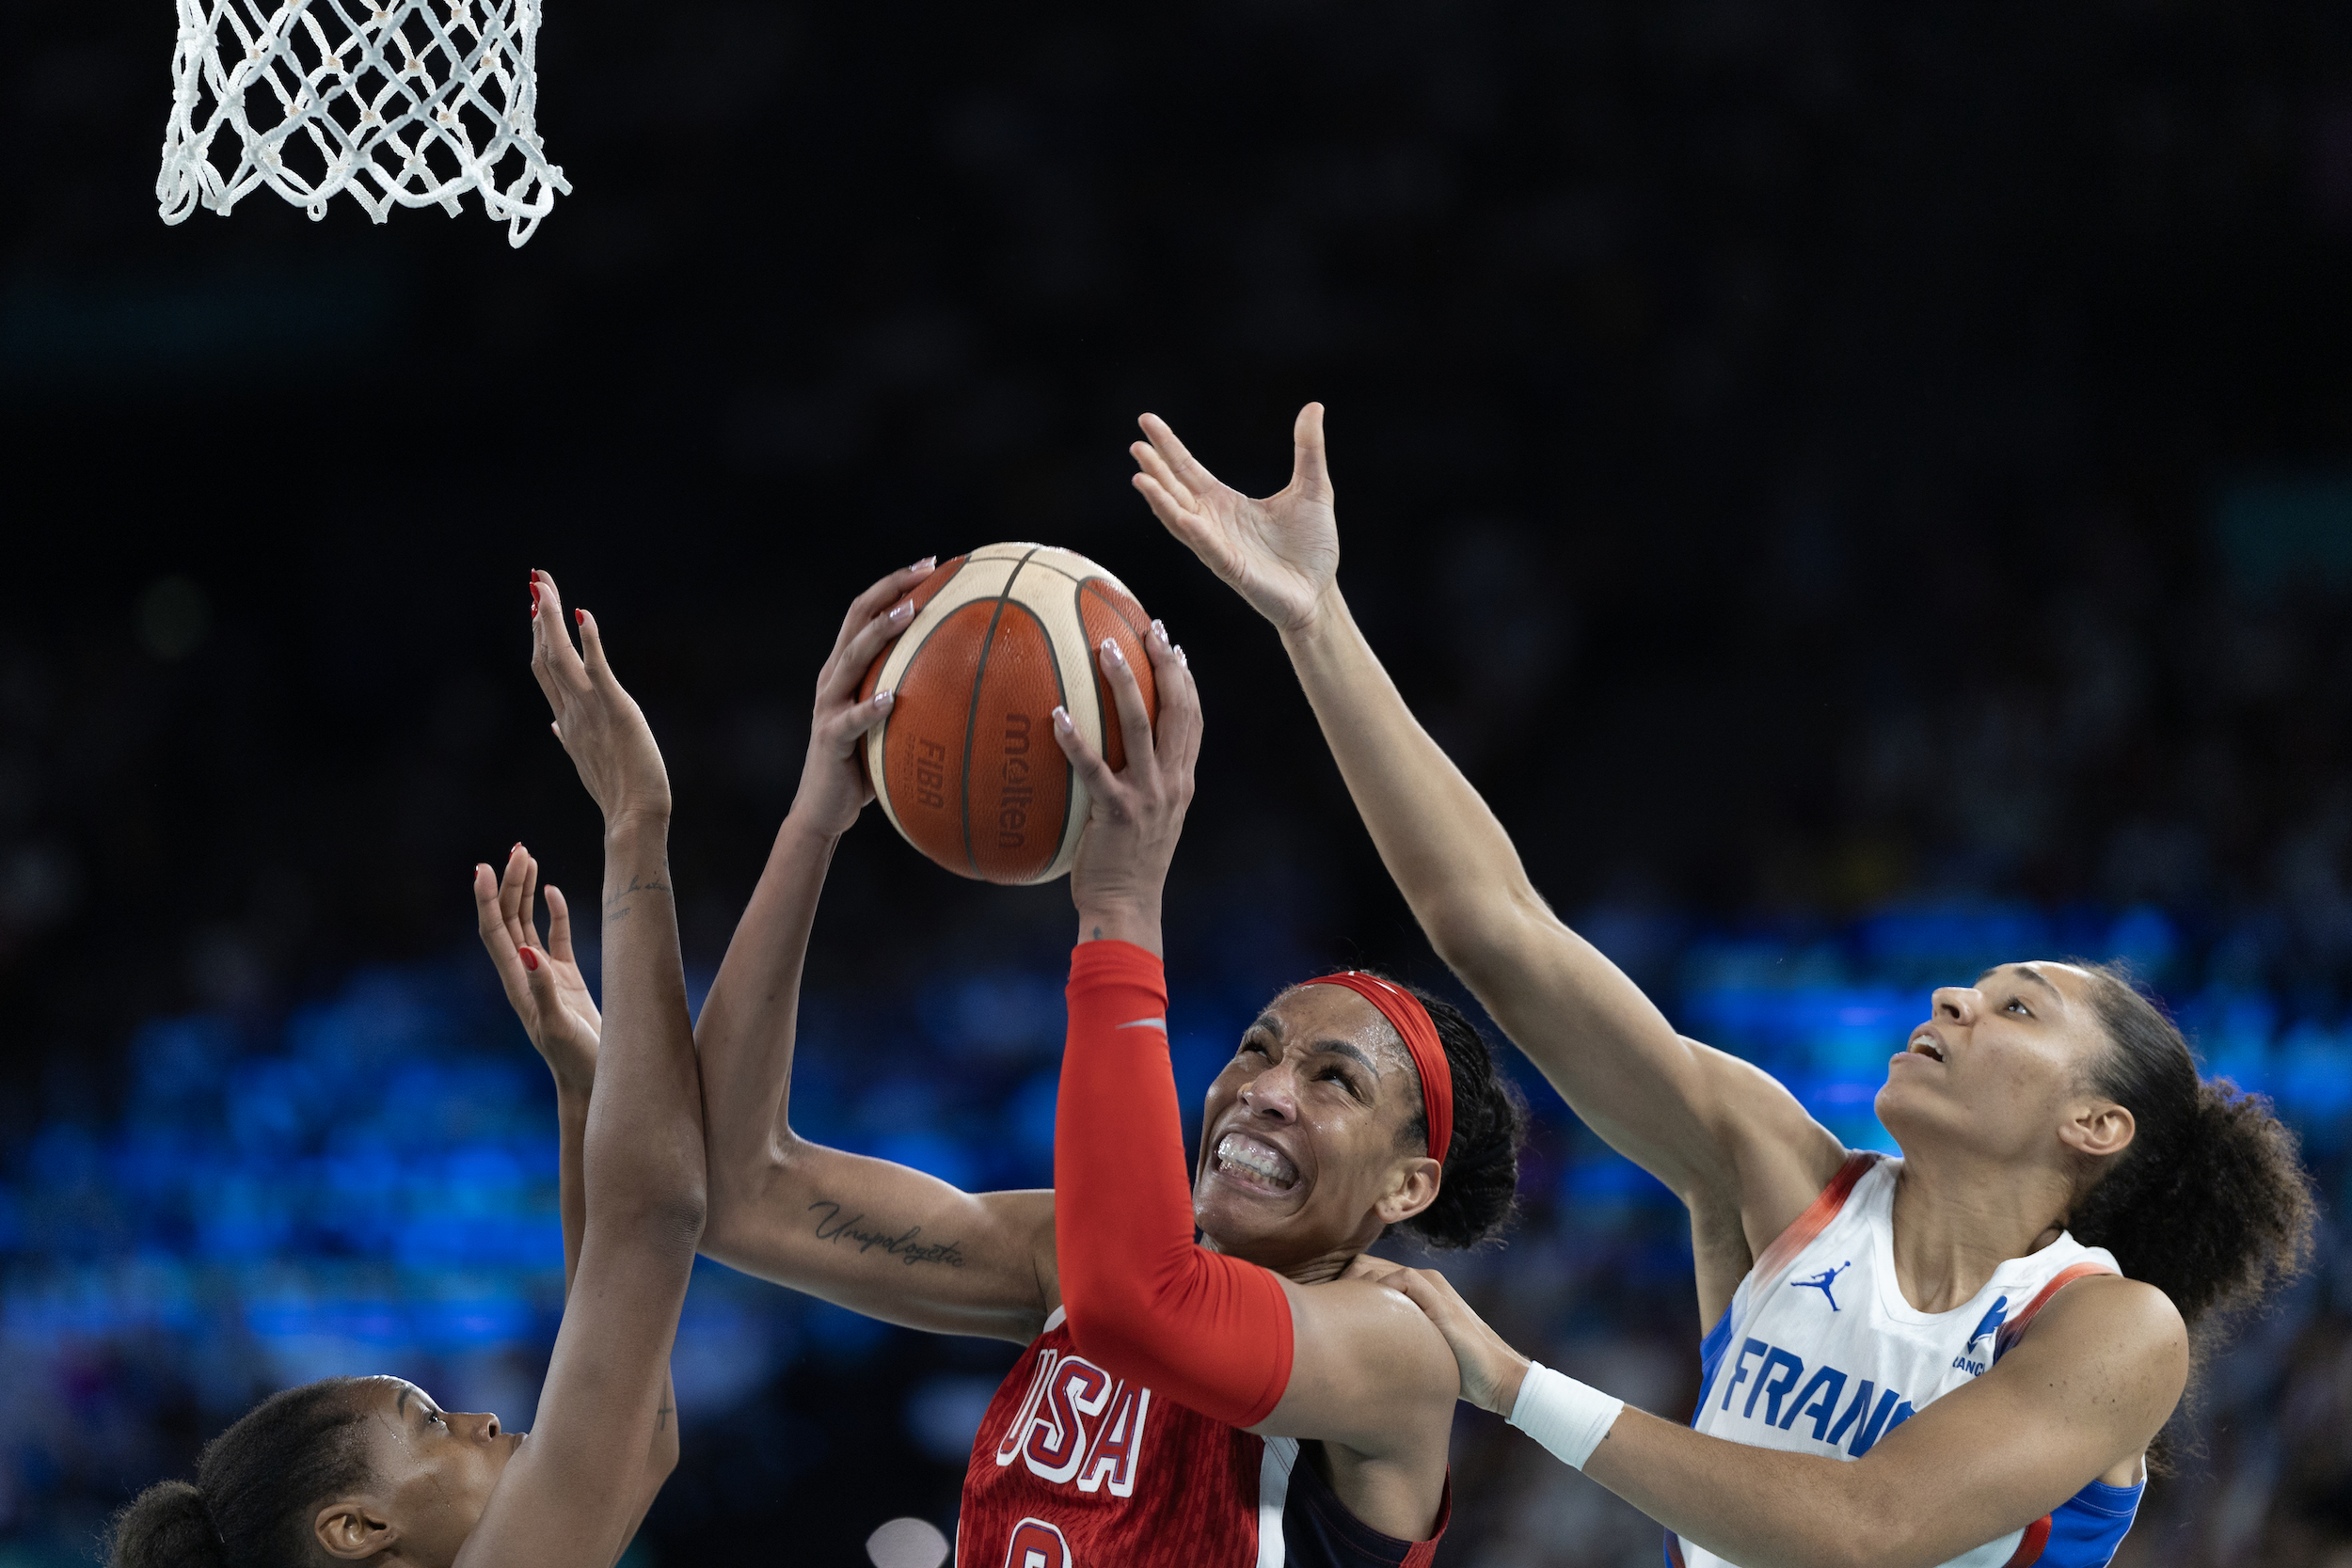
[
  {"x": 1382, "y": 1325},
  {"x": 2111, "y": 1314}
]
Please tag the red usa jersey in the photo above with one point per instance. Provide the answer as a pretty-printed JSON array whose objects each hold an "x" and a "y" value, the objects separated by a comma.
[{"x": 1075, "y": 1466}]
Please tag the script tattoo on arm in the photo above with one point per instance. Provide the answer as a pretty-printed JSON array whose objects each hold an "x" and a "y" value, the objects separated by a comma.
[
  {"x": 616, "y": 911},
  {"x": 904, "y": 1246}
]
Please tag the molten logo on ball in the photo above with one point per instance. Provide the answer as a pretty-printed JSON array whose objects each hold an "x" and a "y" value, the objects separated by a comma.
[{"x": 966, "y": 765}]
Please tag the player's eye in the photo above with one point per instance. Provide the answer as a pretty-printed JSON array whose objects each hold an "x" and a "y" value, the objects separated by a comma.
[{"x": 2017, "y": 1004}]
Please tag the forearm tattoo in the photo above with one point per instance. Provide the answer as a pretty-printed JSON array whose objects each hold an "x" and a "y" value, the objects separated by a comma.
[{"x": 904, "y": 1246}]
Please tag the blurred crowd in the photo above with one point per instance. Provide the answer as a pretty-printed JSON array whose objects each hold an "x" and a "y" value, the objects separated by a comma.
[{"x": 1867, "y": 491}]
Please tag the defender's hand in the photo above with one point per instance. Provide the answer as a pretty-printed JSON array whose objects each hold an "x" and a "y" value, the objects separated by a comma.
[
  {"x": 1280, "y": 553},
  {"x": 543, "y": 982},
  {"x": 598, "y": 724},
  {"x": 1134, "y": 815},
  {"x": 1492, "y": 1370},
  {"x": 834, "y": 788}
]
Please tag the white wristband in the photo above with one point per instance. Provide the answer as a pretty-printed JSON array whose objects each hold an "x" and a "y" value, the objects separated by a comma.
[{"x": 1565, "y": 1416}]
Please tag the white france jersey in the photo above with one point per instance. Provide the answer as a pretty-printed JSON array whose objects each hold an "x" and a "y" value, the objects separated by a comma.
[{"x": 1819, "y": 1353}]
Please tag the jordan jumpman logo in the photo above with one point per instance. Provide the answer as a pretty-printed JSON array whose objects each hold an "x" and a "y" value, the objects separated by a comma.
[{"x": 1823, "y": 1280}]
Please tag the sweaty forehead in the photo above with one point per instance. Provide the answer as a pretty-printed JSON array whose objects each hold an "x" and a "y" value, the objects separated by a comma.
[{"x": 1336, "y": 1013}]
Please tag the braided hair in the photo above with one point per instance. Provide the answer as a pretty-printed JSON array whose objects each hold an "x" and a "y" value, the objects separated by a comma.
[
  {"x": 1478, "y": 1193},
  {"x": 256, "y": 1484}
]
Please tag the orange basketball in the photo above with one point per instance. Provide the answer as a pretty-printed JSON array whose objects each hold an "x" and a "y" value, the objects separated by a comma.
[{"x": 966, "y": 765}]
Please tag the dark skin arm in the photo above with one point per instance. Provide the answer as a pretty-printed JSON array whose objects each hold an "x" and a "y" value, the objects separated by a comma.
[
  {"x": 559, "y": 1015},
  {"x": 573, "y": 1494},
  {"x": 877, "y": 1238}
]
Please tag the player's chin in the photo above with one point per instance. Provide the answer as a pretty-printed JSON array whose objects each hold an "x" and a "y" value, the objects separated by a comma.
[{"x": 1234, "y": 1212}]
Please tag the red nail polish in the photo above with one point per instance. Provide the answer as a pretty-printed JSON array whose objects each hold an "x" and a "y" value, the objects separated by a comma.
[
  {"x": 530, "y": 960},
  {"x": 580, "y": 617}
]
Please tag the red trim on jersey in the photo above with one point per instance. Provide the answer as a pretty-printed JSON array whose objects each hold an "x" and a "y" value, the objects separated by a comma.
[
  {"x": 1815, "y": 1218},
  {"x": 1211, "y": 1332},
  {"x": 2014, "y": 1330},
  {"x": 2029, "y": 1550},
  {"x": 1424, "y": 1553}
]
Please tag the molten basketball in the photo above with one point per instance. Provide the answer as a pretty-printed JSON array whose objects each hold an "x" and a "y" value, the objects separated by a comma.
[{"x": 966, "y": 765}]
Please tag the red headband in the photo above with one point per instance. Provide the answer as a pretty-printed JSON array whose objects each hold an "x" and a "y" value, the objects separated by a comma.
[{"x": 1401, "y": 1008}]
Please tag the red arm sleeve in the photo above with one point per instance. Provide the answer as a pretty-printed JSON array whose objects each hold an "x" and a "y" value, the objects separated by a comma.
[{"x": 1210, "y": 1332}]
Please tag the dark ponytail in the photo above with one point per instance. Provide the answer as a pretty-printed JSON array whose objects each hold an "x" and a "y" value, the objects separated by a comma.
[
  {"x": 255, "y": 1487},
  {"x": 1479, "y": 1196},
  {"x": 2210, "y": 1203}
]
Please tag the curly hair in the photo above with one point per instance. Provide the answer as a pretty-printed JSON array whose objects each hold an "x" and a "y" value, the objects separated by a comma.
[
  {"x": 255, "y": 1485},
  {"x": 2210, "y": 1203}
]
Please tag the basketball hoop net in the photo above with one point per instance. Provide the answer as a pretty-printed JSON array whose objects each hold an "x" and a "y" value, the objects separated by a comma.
[{"x": 414, "y": 102}]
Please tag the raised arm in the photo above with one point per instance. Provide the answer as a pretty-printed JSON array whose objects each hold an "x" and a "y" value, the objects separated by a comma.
[
  {"x": 1716, "y": 1130},
  {"x": 544, "y": 986},
  {"x": 1346, "y": 1361},
  {"x": 569, "y": 1495},
  {"x": 872, "y": 1236}
]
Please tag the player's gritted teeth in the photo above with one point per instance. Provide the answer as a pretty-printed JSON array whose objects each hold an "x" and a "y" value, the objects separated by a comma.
[
  {"x": 1925, "y": 1044},
  {"x": 1254, "y": 1163}
]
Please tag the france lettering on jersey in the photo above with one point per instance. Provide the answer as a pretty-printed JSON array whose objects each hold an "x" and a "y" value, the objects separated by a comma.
[
  {"x": 1075, "y": 1466},
  {"x": 1819, "y": 1353}
]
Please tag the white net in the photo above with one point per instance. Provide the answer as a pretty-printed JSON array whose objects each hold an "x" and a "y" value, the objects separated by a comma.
[{"x": 413, "y": 101}]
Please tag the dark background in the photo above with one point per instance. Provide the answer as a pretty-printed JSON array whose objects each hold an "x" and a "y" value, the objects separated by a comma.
[{"x": 1803, "y": 460}]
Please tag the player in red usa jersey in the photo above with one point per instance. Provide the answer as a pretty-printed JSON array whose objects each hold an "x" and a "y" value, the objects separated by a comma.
[{"x": 1218, "y": 1405}]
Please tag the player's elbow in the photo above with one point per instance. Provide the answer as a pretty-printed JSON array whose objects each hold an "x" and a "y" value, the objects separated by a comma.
[
  {"x": 1108, "y": 1321},
  {"x": 1867, "y": 1523},
  {"x": 740, "y": 1184},
  {"x": 666, "y": 1219}
]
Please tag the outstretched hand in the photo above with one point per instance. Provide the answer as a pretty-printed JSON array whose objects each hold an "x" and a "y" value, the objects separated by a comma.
[
  {"x": 1134, "y": 815},
  {"x": 1280, "y": 553},
  {"x": 1492, "y": 1370},
  {"x": 599, "y": 724},
  {"x": 834, "y": 788},
  {"x": 542, "y": 980}
]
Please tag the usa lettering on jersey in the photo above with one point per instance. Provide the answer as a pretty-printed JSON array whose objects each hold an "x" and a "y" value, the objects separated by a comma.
[{"x": 1078, "y": 1424}]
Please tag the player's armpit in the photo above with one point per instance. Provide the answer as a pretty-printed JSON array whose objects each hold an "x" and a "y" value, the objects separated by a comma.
[
  {"x": 889, "y": 1242},
  {"x": 1367, "y": 1370}
]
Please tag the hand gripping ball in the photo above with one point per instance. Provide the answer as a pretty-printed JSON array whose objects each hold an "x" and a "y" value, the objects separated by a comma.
[{"x": 966, "y": 765}]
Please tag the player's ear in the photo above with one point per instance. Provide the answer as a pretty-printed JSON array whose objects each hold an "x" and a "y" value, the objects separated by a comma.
[
  {"x": 1412, "y": 1187},
  {"x": 354, "y": 1528},
  {"x": 2097, "y": 1129}
]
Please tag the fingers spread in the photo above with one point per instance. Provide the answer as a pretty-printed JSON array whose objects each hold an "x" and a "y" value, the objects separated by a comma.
[
  {"x": 1311, "y": 473},
  {"x": 592, "y": 645},
  {"x": 842, "y": 731},
  {"x": 1186, "y": 466},
  {"x": 1084, "y": 759},
  {"x": 563, "y": 664},
  {"x": 1135, "y": 722},
  {"x": 558, "y": 926},
  {"x": 847, "y": 669},
  {"x": 498, "y": 940},
  {"x": 1150, "y": 465},
  {"x": 1179, "y": 702},
  {"x": 869, "y": 603}
]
